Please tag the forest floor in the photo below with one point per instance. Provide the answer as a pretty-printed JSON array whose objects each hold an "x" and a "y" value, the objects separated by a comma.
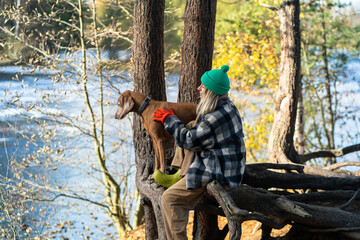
[{"x": 248, "y": 232}]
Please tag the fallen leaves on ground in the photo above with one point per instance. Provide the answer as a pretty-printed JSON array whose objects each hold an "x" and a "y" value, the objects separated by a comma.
[{"x": 248, "y": 232}]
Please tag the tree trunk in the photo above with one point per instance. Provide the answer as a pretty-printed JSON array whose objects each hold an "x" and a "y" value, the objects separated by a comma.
[
  {"x": 205, "y": 226},
  {"x": 281, "y": 145},
  {"x": 113, "y": 51},
  {"x": 139, "y": 212},
  {"x": 149, "y": 79},
  {"x": 197, "y": 47},
  {"x": 330, "y": 126},
  {"x": 299, "y": 135},
  {"x": 196, "y": 58}
]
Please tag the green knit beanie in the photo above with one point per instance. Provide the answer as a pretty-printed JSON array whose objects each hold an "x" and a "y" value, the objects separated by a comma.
[{"x": 217, "y": 80}]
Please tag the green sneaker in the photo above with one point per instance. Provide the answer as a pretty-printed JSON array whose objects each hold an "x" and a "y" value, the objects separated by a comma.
[{"x": 166, "y": 180}]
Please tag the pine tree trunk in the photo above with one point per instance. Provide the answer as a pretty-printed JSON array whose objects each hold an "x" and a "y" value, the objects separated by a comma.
[
  {"x": 330, "y": 126},
  {"x": 196, "y": 58},
  {"x": 149, "y": 79},
  {"x": 281, "y": 145},
  {"x": 299, "y": 135},
  {"x": 205, "y": 226},
  {"x": 197, "y": 47}
]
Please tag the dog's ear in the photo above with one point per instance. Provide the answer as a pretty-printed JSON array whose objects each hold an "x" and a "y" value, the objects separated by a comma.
[{"x": 125, "y": 104}]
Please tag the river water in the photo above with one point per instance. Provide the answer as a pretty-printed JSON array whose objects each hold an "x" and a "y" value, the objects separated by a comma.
[{"x": 74, "y": 169}]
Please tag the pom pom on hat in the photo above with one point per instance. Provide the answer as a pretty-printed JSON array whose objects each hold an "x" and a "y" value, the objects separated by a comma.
[
  {"x": 217, "y": 80},
  {"x": 225, "y": 68}
]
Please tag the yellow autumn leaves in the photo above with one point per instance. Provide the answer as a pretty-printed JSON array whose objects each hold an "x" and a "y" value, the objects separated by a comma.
[
  {"x": 253, "y": 61},
  {"x": 252, "y": 50}
]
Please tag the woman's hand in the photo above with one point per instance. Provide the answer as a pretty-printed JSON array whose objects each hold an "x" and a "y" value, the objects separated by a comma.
[{"x": 160, "y": 115}]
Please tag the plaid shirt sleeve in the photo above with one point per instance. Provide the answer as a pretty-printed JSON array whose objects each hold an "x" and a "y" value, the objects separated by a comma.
[{"x": 196, "y": 139}]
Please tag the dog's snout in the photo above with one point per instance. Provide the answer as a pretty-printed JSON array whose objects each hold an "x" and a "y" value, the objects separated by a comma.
[{"x": 117, "y": 114}]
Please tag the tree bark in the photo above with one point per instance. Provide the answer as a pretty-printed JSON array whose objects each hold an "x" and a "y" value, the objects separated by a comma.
[
  {"x": 281, "y": 145},
  {"x": 205, "y": 226},
  {"x": 149, "y": 79},
  {"x": 299, "y": 135},
  {"x": 299, "y": 177},
  {"x": 148, "y": 48},
  {"x": 197, "y": 47},
  {"x": 282, "y": 210},
  {"x": 320, "y": 214},
  {"x": 332, "y": 153},
  {"x": 330, "y": 126},
  {"x": 196, "y": 58}
]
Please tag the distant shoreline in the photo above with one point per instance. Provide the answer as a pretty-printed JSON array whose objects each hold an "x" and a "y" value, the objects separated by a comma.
[{"x": 7, "y": 62}]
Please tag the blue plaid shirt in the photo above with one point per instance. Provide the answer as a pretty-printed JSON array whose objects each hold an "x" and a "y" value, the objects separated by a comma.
[{"x": 217, "y": 140}]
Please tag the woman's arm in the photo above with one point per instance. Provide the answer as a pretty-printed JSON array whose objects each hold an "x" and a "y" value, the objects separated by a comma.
[{"x": 198, "y": 138}]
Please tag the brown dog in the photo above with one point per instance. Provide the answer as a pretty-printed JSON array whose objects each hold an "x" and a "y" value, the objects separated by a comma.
[{"x": 130, "y": 101}]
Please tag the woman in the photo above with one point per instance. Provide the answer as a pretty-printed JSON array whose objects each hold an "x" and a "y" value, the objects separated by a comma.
[{"x": 217, "y": 140}]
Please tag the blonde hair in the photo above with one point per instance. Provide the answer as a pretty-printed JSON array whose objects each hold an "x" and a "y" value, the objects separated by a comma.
[{"x": 207, "y": 103}]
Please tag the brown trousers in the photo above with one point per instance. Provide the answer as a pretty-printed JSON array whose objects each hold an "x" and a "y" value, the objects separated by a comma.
[{"x": 176, "y": 202}]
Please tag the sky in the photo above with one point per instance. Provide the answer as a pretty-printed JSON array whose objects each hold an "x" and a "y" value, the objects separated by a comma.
[{"x": 354, "y": 3}]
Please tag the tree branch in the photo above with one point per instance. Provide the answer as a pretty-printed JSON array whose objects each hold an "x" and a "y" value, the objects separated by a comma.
[
  {"x": 26, "y": 44},
  {"x": 322, "y": 197},
  {"x": 341, "y": 164},
  {"x": 74, "y": 197},
  {"x": 116, "y": 33},
  {"x": 272, "y": 8},
  {"x": 328, "y": 153},
  {"x": 311, "y": 178},
  {"x": 309, "y": 215},
  {"x": 232, "y": 211},
  {"x": 309, "y": 229},
  {"x": 351, "y": 200},
  {"x": 288, "y": 167},
  {"x": 308, "y": 3}
]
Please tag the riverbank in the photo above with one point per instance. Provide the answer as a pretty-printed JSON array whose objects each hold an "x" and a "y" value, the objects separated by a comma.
[{"x": 7, "y": 62}]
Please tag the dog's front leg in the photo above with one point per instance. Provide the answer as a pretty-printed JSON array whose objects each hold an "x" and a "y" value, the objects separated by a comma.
[
  {"x": 157, "y": 154},
  {"x": 162, "y": 154}
]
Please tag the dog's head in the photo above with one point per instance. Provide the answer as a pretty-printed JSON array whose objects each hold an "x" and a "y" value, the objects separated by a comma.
[{"x": 125, "y": 104}]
